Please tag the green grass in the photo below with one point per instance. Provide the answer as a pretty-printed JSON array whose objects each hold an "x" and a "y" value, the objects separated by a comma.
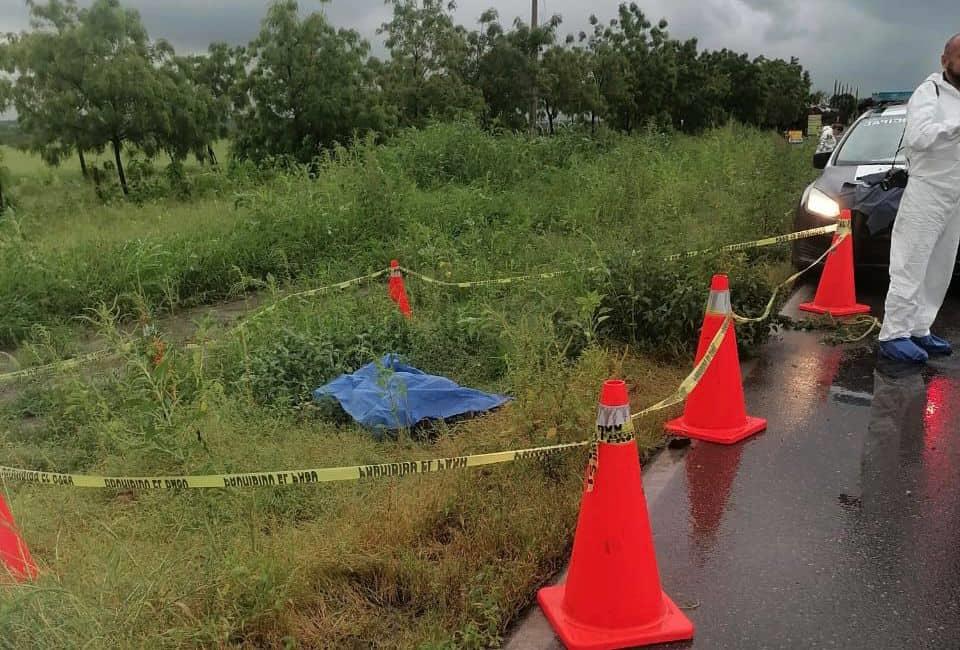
[
  {"x": 21, "y": 164},
  {"x": 497, "y": 205},
  {"x": 24, "y": 164},
  {"x": 43, "y": 194},
  {"x": 438, "y": 561},
  {"x": 28, "y": 166}
]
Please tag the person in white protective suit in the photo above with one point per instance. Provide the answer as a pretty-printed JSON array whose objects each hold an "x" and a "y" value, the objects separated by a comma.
[
  {"x": 828, "y": 141},
  {"x": 926, "y": 233}
]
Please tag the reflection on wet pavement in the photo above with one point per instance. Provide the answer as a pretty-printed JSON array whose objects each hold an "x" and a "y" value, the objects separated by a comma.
[
  {"x": 893, "y": 437},
  {"x": 839, "y": 526},
  {"x": 711, "y": 470}
]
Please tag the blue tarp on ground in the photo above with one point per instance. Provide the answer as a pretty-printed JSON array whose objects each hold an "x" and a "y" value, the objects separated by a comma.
[{"x": 391, "y": 395}]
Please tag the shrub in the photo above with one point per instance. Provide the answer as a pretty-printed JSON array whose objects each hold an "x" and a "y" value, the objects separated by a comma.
[{"x": 658, "y": 307}]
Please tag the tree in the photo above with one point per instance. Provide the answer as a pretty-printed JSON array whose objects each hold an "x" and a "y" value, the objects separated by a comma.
[
  {"x": 480, "y": 42},
  {"x": 49, "y": 68},
  {"x": 609, "y": 71},
  {"x": 88, "y": 79},
  {"x": 506, "y": 80},
  {"x": 744, "y": 93},
  {"x": 123, "y": 91},
  {"x": 846, "y": 106},
  {"x": 634, "y": 68},
  {"x": 310, "y": 86},
  {"x": 787, "y": 87},
  {"x": 567, "y": 85},
  {"x": 696, "y": 90},
  {"x": 507, "y": 69},
  {"x": 192, "y": 115},
  {"x": 5, "y": 92},
  {"x": 220, "y": 72},
  {"x": 817, "y": 98},
  {"x": 424, "y": 78}
]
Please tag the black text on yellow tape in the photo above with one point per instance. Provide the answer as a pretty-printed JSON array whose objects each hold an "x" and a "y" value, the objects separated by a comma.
[
  {"x": 758, "y": 243},
  {"x": 287, "y": 477},
  {"x": 614, "y": 426}
]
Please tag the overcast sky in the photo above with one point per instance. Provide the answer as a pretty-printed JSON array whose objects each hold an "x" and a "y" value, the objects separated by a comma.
[{"x": 876, "y": 44}]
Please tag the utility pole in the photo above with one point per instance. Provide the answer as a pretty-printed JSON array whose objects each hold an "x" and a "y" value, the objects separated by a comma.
[{"x": 536, "y": 55}]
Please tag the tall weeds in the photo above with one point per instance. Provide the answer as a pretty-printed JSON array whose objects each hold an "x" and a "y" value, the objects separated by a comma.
[{"x": 438, "y": 561}]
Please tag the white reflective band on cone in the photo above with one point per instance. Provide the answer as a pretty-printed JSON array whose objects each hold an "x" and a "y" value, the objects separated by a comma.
[
  {"x": 614, "y": 423},
  {"x": 719, "y": 302}
]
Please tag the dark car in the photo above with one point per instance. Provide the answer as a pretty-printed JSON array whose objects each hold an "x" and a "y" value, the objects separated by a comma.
[{"x": 870, "y": 146}]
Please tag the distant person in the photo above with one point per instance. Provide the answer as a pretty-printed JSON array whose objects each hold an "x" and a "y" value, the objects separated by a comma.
[
  {"x": 926, "y": 233},
  {"x": 828, "y": 140}
]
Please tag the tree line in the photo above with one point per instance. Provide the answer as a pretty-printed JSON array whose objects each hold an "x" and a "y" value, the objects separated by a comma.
[{"x": 90, "y": 80}]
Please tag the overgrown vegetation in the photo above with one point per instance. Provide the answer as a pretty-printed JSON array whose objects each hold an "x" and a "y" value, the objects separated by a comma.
[
  {"x": 88, "y": 80},
  {"x": 340, "y": 163},
  {"x": 450, "y": 199},
  {"x": 440, "y": 561}
]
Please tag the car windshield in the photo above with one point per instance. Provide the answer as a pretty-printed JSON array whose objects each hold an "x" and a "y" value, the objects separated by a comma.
[{"x": 873, "y": 140}]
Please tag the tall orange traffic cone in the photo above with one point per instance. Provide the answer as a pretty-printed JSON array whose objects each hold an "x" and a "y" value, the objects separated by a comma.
[
  {"x": 14, "y": 555},
  {"x": 612, "y": 597},
  {"x": 715, "y": 409},
  {"x": 398, "y": 292},
  {"x": 837, "y": 291}
]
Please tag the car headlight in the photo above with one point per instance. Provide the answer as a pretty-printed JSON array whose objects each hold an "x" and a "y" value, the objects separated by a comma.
[{"x": 822, "y": 205}]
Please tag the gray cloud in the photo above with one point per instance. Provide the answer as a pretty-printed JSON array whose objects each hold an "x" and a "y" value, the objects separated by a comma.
[{"x": 876, "y": 44}]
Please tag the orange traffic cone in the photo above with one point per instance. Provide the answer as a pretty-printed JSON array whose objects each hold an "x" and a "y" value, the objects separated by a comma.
[
  {"x": 715, "y": 409},
  {"x": 612, "y": 597},
  {"x": 14, "y": 555},
  {"x": 398, "y": 292},
  {"x": 837, "y": 291}
]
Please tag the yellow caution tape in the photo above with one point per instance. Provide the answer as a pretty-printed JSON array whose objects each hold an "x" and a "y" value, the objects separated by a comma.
[
  {"x": 74, "y": 362},
  {"x": 759, "y": 243},
  {"x": 66, "y": 364},
  {"x": 615, "y": 431},
  {"x": 399, "y": 468},
  {"x": 786, "y": 283},
  {"x": 614, "y": 426},
  {"x": 690, "y": 381},
  {"x": 873, "y": 322},
  {"x": 285, "y": 477},
  {"x": 845, "y": 326},
  {"x": 339, "y": 286},
  {"x": 357, "y": 472},
  {"x": 102, "y": 354},
  {"x": 405, "y": 468},
  {"x": 509, "y": 280}
]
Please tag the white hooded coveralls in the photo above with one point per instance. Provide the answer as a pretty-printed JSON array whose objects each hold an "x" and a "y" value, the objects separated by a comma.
[
  {"x": 926, "y": 232},
  {"x": 828, "y": 140}
]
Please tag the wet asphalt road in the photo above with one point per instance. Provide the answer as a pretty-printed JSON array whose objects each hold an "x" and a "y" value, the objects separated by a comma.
[{"x": 839, "y": 527}]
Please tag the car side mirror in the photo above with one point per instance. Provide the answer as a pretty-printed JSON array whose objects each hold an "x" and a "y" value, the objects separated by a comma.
[{"x": 821, "y": 158}]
